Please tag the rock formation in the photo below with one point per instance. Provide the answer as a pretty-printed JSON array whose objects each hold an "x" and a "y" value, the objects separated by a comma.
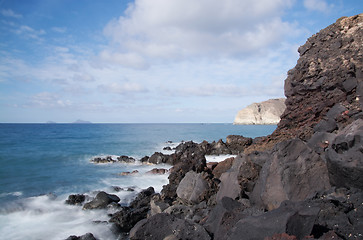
[
  {"x": 267, "y": 112},
  {"x": 302, "y": 182}
]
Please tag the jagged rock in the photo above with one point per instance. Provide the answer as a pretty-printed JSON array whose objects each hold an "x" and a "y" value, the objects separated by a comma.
[
  {"x": 223, "y": 217},
  {"x": 222, "y": 167},
  {"x": 219, "y": 148},
  {"x": 295, "y": 219},
  {"x": 267, "y": 112},
  {"x": 158, "y": 158},
  {"x": 129, "y": 173},
  {"x": 345, "y": 157},
  {"x": 101, "y": 200},
  {"x": 237, "y": 143},
  {"x": 192, "y": 187},
  {"x": 166, "y": 226},
  {"x": 87, "y": 236},
  {"x": 126, "y": 159},
  {"x": 157, "y": 205},
  {"x": 239, "y": 179},
  {"x": 328, "y": 72},
  {"x": 75, "y": 199},
  {"x": 158, "y": 171},
  {"x": 107, "y": 159},
  {"x": 127, "y": 217},
  {"x": 295, "y": 172}
]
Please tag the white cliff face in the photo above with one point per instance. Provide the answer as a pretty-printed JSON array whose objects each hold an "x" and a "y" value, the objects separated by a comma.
[{"x": 267, "y": 112}]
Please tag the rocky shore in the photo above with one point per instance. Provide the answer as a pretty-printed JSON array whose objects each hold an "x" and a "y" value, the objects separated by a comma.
[{"x": 304, "y": 181}]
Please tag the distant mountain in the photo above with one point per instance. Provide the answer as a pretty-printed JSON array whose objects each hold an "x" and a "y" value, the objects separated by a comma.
[
  {"x": 50, "y": 122},
  {"x": 267, "y": 112},
  {"x": 81, "y": 121}
]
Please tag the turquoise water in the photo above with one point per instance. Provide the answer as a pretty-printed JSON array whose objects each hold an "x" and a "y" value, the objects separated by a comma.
[{"x": 38, "y": 159}]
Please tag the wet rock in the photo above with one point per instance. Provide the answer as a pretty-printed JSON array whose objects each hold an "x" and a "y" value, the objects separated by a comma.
[
  {"x": 101, "y": 200},
  {"x": 87, "y": 236},
  {"x": 295, "y": 172},
  {"x": 345, "y": 157},
  {"x": 166, "y": 226},
  {"x": 220, "y": 148},
  {"x": 158, "y": 158},
  {"x": 126, "y": 159},
  {"x": 138, "y": 209},
  {"x": 76, "y": 199},
  {"x": 129, "y": 173},
  {"x": 107, "y": 159},
  {"x": 158, "y": 171}
]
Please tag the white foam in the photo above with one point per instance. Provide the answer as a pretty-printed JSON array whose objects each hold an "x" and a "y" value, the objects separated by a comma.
[
  {"x": 15, "y": 194},
  {"x": 218, "y": 158},
  {"x": 47, "y": 217}
]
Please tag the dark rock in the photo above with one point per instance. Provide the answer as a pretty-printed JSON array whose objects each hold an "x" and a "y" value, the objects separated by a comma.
[
  {"x": 239, "y": 179},
  {"x": 129, "y": 173},
  {"x": 167, "y": 148},
  {"x": 237, "y": 143},
  {"x": 157, "y": 205},
  {"x": 158, "y": 171},
  {"x": 220, "y": 148},
  {"x": 127, "y": 217},
  {"x": 107, "y": 159},
  {"x": 143, "y": 198},
  {"x": 166, "y": 226},
  {"x": 295, "y": 219},
  {"x": 212, "y": 165},
  {"x": 320, "y": 141},
  {"x": 223, "y": 217},
  {"x": 158, "y": 158},
  {"x": 126, "y": 159},
  {"x": 76, "y": 199},
  {"x": 324, "y": 125},
  {"x": 192, "y": 188},
  {"x": 87, "y": 236},
  {"x": 144, "y": 159},
  {"x": 345, "y": 157},
  {"x": 222, "y": 167},
  {"x": 295, "y": 172},
  {"x": 101, "y": 200}
]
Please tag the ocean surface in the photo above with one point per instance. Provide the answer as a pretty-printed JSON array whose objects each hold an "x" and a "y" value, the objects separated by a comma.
[{"x": 41, "y": 164}]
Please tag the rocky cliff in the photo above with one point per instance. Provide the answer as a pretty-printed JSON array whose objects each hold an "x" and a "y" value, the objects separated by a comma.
[
  {"x": 267, "y": 112},
  {"x": 325, "y": 88}
]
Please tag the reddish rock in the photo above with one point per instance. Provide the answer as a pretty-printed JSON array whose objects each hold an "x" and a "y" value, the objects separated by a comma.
[
  {"x": 156, "y": 171},
  {"x": 222, "y": 167}
]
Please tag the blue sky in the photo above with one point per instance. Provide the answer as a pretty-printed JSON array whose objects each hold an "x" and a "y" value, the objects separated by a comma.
[{"x": 150, "y": 60}]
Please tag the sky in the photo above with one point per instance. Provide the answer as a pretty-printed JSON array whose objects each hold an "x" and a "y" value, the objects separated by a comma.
[{"x": 151, "y": 61}]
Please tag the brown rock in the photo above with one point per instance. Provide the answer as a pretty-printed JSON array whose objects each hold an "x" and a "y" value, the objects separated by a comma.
[{"x": 222, "y": 167}]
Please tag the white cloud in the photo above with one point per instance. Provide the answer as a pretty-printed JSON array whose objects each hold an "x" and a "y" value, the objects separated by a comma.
[
  {"x": 179, "y": 29},
  {"x": 10, "y": 13},
  {"x": 59, "y": 29},
  {"x": 131, "y": 60},
  {"x": 316, "y": 5},
  {"x": 123, "y": 89},
  {"x": 49, "y": 100},
  {"x": 29, "y": 32}
]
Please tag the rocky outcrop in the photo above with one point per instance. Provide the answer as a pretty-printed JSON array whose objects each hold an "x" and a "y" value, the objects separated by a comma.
[
  {"x": 267, "y": 112},
  {"x": 101, "y": 200},
  {"x": 326, "y": 85}
]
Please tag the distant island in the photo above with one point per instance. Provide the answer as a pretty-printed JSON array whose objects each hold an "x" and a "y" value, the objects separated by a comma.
[{"x": 79, "y": 121}]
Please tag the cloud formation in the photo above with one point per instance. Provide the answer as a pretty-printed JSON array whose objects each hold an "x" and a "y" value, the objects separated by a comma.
[
  {"x": 316, "y": 5},
  {"x": 180, "y": 29},
  {"x": 10, "y": 13}
]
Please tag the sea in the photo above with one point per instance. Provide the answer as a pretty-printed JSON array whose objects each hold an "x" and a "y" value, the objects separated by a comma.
[{"x": 42, "y": 164}]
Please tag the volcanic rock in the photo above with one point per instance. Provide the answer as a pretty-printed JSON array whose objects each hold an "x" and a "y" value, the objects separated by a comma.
[{"x": 101, "y": 200}]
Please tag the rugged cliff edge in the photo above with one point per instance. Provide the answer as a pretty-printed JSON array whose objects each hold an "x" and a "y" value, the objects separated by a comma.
[
  {"x": 267, "y": 112},
  {"x": 305, "y": 181}
]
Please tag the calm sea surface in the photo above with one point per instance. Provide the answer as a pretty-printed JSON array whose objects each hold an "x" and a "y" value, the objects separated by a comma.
[{"x": 41, "y": 164}]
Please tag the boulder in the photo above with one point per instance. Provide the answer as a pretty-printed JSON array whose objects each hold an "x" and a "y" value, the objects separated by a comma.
[
  {"x": 101, "y": 200},
  {"x": 239, "y": 179},
  {"x": 87, "y": 236},
  {"x": 158, "y": 158},
  {"x": 192, "y": 187},
  {"x": 75, "y": 199},
  {"x": 143, "y": 198},
  {"x": 126, "y": 159},
  {"x": 294, "y": 218},
  {"x": 107, "y": 159},
  {"x": 166, "y": 226},
  {"x": 295, "y": 173},
  {"x": 222, "y": 167},
  {"x": 158, "y": 171},
  {"x": 219, "y": 148},
  {"x": 345, "y": 157},
  {"x": 237, "y": 143}
]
